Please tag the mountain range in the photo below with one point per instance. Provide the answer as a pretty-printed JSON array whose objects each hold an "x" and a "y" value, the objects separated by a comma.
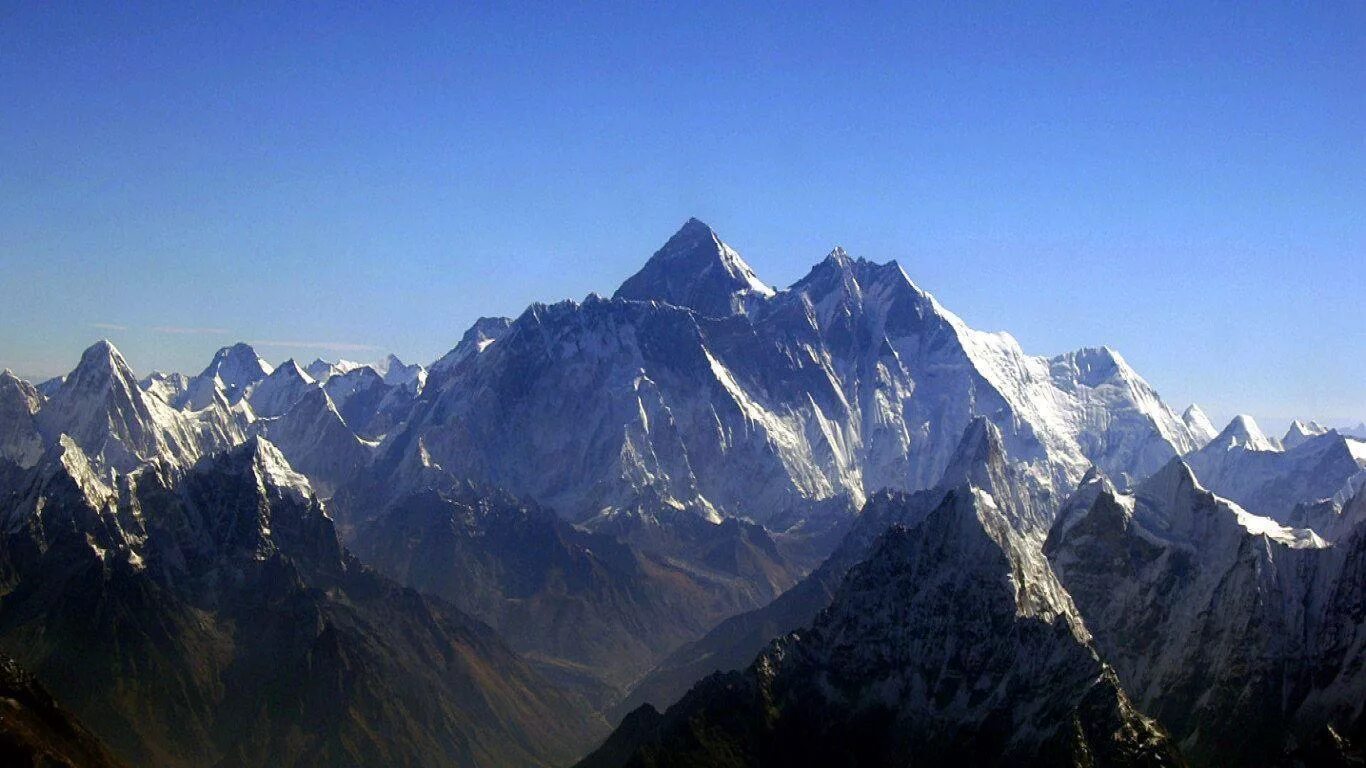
[{"x": 827, "y": 524}]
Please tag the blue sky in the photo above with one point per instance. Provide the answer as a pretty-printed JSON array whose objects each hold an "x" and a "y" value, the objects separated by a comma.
[{"x": 1183, "y": 182}]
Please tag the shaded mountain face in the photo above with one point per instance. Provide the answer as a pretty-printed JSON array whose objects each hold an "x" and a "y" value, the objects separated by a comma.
[
  {"x": 20, "y": 441},
  {"x": 850, "y": 381},
  {"x": 370, "y": 405},
  {"x": 590, "y": 609},
  {"x": 952, "y": 642},
  {"x": 210, "y": 616},
  {"x": 696, "y": 270},
  {"x": 277, "y": 393},
  {"x": 35, "y": 731},
  {"x": 317, "y": 442},
  {"x": 1243, "y": 637},
  {"x": 979, "y": 461},
  {"x": 479, "y": 337},
  {"x": 1306, "y": 483}
]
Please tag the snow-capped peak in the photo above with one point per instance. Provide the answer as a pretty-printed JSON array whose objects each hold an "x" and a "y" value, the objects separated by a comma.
[
  {"x": 1244, "y": 433},
  {"x": 100, "y": 370},
  {"x": 101, "y": 407},
  {"x": 1199, "y": 425},
  {"x": 19, "y": 402},
  {"x": 695, "y": 269},
  {"x": 321, "y": 370},
  {"x": 478, "y": 337},
  {"x": 279, "y": 391},
  {"x": 1300, "y": 431},
  {"x": 396, "y": 373},
  {"x": 236, "y": 368}
]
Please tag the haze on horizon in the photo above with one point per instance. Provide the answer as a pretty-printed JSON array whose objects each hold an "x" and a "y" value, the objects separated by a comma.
[{"x": 1185, "y": 187}]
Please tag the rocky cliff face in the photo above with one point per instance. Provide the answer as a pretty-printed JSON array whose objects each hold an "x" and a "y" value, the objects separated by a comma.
[
  {"x": 979, "y": 460},
  {"x": 590, "y": 609},
  {"x": 1229, "y": 628},
  {"x": 952, "y": 641},
  {"x": 210, "y": 615}
]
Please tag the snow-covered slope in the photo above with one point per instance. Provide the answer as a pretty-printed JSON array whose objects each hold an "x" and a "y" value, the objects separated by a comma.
[
  {"x": 317, "y": 441},
  {"x": 170, "y": 387},
  {"x": 396, "y": 373},
  {"x": 117, "y": 424},
  {"x": 19, "y": 404},
  {"x": 1231, "y": 629},
  {"x": 852, "y": 380},
  {"x": 321, "y": 370},
  {"x": 278, "y": 392},
  {"x": 1201, "y": 429},
  {"x": 49, "y": 387},
  {"x": 1306, "y": 483}
]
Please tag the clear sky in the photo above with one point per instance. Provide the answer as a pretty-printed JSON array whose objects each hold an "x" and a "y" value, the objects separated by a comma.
[{"x": 1184, "y": 182}]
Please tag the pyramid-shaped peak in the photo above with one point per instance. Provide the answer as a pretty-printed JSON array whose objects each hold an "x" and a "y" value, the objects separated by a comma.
[
  {"x": 1168, "y": 487},
  {"x": 1243, "y": 432},
  {"x": 279, "y": 391},
  {"x": 979, "y": 452},
  {"x": 237, "y": 366},
  {"x": 697, "y": 270},
  {"x": 100, "y": 364},
  {"x": 102, "y": 352},
  {"x": 290, "y": 369}
]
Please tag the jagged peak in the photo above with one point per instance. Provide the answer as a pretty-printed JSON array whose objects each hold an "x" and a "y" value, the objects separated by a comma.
[
  {"x": 979, "y": 453},
  {"x": 272, "y": 469},
  {"x": 1094, "y": 485},
  {"x": 398, "y": 373},
  {"x": 1300, "y": 431},
  {"x": 1174, "y": 479},
  {"x": 697, "y": 270},
  {"x": 840, "y": 278},
  {"x": 20, "y": 388},
  {"x": 968, "y": 531}
]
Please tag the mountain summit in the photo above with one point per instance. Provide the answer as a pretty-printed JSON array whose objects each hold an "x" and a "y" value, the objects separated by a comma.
[{"x": 695, "y": 269}]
